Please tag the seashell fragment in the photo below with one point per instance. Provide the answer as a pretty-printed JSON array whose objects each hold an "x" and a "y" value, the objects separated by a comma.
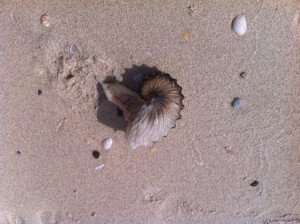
[
  {"x": 151, "y": 114},
  {"x": 239, "y": 25},
  {"x": 99, "y": 166}
]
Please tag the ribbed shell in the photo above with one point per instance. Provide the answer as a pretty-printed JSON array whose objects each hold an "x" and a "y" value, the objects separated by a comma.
[{"x": 162, "y": 108}]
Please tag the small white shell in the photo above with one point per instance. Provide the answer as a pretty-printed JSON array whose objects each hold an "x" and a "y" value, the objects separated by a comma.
[
  {"x": 99, "y": 166},
  {"x": 107, "y": 143},
  {"x": 239, "y": 25}
]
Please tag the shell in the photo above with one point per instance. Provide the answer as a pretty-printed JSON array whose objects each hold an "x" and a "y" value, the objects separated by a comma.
[
  {"x": 99, "y": 166},
  {"x": 151, "y": 113},
  {"x": 162, "y": 108},
  {"x": 239, "y": 25}
]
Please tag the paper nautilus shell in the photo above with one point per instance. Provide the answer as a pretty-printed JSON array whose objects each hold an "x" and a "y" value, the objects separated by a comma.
[{"x": 152, "y": 112}]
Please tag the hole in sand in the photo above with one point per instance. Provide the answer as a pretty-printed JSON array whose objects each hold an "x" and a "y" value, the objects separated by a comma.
[{"x": 39, "y": 92}]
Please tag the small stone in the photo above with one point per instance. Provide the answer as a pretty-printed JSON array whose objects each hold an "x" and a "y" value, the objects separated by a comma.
[
  {"x": 96, "y": 154},
  {"x": 254, "y": 183},
  {"x": 185, "y": 35},
  {"x": 107, "y": 143},
  {"x": 243, "y": 75},
  {"x": 229, "y": 150},
  {"x": 239, "y": 25},
  {"x": 73, "y": 48},
  {"x": 138, "y": 78},
  {"x": 45, "y": 20},
  {"x": 39, "y": 92},
  {"x": 236, "y": 102},
  {"x": 153, "y": 149},
  {"x": 99, "y": 166}
]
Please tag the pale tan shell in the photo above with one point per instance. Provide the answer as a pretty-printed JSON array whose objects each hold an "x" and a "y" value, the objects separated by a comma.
[{"x": 152, "y": 114}]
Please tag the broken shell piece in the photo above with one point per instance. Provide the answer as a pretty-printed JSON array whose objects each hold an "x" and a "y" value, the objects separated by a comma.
[
  {"x": 152, "y": 114},
  {"x": 107, "y": 143},
  {"x": 45, "y": 20},
  {"x": 99, "y": 166}
]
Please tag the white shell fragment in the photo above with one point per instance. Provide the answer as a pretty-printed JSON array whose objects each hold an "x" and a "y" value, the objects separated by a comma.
[
  {"x": 239, "y": 25},
  {"x": 99, "y": 166},
  {"x": 107, "y": 143}
]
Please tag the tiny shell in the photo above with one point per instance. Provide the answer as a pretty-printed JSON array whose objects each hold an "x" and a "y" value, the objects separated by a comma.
[
  {"x": 99, "y": 166},
  {"x": 239, "y": 25},
  {"x": 107, "y": 143},
  {"x": 45, "y": 20}
]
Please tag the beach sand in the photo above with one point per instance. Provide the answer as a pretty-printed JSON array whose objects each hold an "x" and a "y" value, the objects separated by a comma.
[{"x": 221, "y": 164}]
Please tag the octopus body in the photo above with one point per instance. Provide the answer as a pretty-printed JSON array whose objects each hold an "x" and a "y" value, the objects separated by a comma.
[{"x": 152, "y": 112}]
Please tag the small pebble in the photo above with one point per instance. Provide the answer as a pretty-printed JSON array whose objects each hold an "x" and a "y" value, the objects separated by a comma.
[
  {"x": 236, "y": 102},
  {"x": 96, "y": 154},
  {"x": 73, "y": 48},
  {"x": 229, "y": 150},
  {"x": 39, "y": 92},
  {"x": 254, "y": 183},
  {"x": 185, "y": 35},
  {"x": 45, "y": 20},
  {"x": 107, "y": 143},
  {"x": 99, "y": 166},
  {"x": 243, "y": 75},
  {"x": 153, "y": 149},
  {"x": 239, "y": 25}
]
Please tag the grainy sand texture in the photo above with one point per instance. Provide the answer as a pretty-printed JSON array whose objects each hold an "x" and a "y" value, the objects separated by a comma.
[{"x": 233, "y": 158}]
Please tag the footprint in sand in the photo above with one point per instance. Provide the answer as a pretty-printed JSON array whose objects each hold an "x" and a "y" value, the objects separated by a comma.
[{"x": 76, "y": 81}]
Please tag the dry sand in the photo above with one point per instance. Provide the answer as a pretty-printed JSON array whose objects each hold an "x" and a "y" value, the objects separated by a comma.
[{"x": 54, "y": 114}]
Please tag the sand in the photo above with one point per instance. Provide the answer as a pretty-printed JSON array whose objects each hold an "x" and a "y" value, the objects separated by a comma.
[{"x": 219, "y": 165}]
